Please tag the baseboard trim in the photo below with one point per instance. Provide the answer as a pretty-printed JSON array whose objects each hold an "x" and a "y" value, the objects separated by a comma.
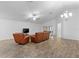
[{"x": 69, "y": 39}]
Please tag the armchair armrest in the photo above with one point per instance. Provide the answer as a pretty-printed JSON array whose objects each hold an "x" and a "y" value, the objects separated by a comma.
[
  {"x": 33, "y": 36},
  {"x": 26, "y": 37}
]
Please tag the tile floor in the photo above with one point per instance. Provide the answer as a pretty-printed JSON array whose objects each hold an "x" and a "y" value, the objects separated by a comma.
[{"x": 48, "y": 49}]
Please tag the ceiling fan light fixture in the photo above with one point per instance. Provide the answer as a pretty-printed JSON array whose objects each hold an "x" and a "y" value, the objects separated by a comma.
[{"x": 34, "y": 18}]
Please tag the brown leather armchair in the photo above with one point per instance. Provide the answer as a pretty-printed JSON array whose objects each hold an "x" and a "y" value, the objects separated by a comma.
[
  {"x": 20, "y": 38},
  {"x": 39, "y": 37}
]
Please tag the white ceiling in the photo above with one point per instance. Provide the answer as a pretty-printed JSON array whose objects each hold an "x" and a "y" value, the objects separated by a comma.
[{"x": 49, "y": 10}]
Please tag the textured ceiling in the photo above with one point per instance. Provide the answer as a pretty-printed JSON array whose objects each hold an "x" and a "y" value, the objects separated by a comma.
[{"x": 48, "y": 10}]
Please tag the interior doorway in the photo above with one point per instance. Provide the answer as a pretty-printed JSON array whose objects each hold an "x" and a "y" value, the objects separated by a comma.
[{"x": 59, "y": 30}]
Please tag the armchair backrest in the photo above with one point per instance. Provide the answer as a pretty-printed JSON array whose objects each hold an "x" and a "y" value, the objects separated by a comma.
[
  {"x": 42, "y": 35},
  {"x": 18, "y": 36},
  {"x": 39, "y": 35},
  {"x": 46, "y": 35}
]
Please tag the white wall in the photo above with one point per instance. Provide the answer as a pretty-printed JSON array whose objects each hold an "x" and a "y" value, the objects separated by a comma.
[
  {"x": 8, "y": 27},
  {"x": 71, "y": 26},
  {"x": 51, "y": 23}
]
